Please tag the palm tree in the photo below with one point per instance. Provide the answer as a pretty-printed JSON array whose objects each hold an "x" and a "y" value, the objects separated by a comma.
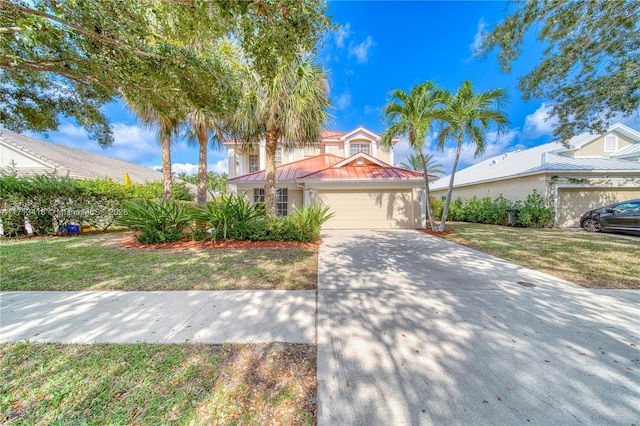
[
  {"x": 468, "y": 115},
  {"x": 414, "y": 162},
  {"x": 286, "y": 109},
  {"x": 159, "y": 115},
  {"x": 412, "y": 115},
  {"x": 202, "y": 125}
]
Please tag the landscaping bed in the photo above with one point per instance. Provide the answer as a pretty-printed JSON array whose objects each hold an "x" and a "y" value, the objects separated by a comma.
[
  {"x": 589, "y": 259},
  {"x": 115, "y": 261},
  {"x": 158, "y": 384}
]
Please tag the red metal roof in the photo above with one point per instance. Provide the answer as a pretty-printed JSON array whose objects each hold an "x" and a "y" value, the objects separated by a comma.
[
  {"x": 332, "y": 167},
  {"x": 294, "y": 170},
  {"x": 331, "y": 134}
]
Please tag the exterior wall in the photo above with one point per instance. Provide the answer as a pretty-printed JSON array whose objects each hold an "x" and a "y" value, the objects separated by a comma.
[
  {"x": 9, "y": 156},
  {"x": 596, "y": 148},
  {"x": 384, "y": 156},
  {"x": 511, "y": 189},
  {"x": 334, "y": 149},
  {"x": 573, "y": 202}
]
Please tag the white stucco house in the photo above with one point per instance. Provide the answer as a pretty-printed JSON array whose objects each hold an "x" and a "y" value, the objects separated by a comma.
[{"x": 347, "y": 171}]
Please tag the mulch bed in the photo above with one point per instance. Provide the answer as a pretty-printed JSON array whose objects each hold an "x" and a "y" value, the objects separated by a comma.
[
  {"x": 130, "y": 241},
  {"x": 435, "y": 234}
]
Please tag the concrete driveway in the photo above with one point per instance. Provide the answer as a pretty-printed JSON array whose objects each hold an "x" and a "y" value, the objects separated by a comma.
[{"x": 415, "y": 330}]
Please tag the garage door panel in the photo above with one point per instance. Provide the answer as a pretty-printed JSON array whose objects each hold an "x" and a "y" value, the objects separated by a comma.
[
  {"x": 369, "y": 209},
  {"x": 572, "y": 202}
]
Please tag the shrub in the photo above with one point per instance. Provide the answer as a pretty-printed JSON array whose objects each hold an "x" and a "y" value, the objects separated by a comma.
[
  {"x": 229, "y": 216},
  {"x": 157, "y": 221},
  {"x": 309, "y": 220},
  {"x": 534, "y": 213}
]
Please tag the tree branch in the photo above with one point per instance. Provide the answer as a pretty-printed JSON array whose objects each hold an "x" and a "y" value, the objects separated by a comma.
[{"x": 77, "y": 28}]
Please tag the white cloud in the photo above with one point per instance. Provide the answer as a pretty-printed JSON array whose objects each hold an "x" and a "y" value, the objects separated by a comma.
[
  {"x": 219, "y": 167},
  {"x": 540, "y": 123},
  {"x": 343, "y": 33},
  {"x": 343, "y": 101},
  {"x": 361, "y": 50},
  {"x": 372, "y": 110},
  {"x": 478, "y": 38}
]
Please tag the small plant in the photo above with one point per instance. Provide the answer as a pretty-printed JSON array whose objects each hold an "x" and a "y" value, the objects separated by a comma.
[
  {"x": 310, "y": 219},
  {"x": 157, "y": 221}
]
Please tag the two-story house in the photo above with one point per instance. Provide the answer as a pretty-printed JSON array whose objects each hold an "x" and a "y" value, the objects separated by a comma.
[
  {"x": 590, "y": 171},
  {"x": 348, "y": 171}
]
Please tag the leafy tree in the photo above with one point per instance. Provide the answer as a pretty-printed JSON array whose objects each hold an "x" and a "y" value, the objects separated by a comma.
[
  {"x": 286, "y": 109},
  {"x": 591, "y": 62},
  {"x": 412, "y": 115},
  {"x": 215, "y": 182},
  {"x": 414, "y": 162},
  {"x": 467, "y": 116}
]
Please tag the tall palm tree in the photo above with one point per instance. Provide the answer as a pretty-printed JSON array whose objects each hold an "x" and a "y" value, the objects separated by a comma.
[
  {"x": 414, "y": 162},
  {"x": 202, "y": 125},
  {"x": 286, "y": 109},
  {"x": 467, "y": 116},
  {"x": 412, "y": 115},
  {"x": 158, "y": 114}
]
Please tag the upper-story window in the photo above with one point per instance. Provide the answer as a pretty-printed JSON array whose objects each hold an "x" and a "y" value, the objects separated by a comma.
[
  {"x": 357, "y": 147},
  {"x": 278, "y": 156},
  {"x": 254, "y": 163},
  {"x": 610, "y": 143}
]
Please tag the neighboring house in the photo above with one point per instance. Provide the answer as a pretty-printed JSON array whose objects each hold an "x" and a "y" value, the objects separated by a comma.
[
  {"x": 34, "y": 156},
  {"x": 591, "y": 171},
  {"x": 349, "y": 172}
]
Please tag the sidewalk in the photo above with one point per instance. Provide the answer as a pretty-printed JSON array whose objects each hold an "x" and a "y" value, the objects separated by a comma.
[{"x": 212, "y": 317}]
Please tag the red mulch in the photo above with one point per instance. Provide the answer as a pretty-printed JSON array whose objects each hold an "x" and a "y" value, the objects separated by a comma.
[
  {"x": 435, "y": 234},
  {"x": 129, "y": 241}
]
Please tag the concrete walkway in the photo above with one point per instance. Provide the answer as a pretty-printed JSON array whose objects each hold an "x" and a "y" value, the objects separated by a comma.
[
  {"x": 163, "y": 317},
  {"x": 413, "y": 330}
]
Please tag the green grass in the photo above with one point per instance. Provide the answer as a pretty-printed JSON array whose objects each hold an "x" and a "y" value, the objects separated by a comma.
[
  {"x": 101, "y": 262},
  {"x": 157, "y": 384},
  {"x": 589, "y": 259}
]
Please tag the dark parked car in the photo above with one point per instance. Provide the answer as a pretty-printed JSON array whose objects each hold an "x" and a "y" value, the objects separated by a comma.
[{"x": 624, "y": 216}]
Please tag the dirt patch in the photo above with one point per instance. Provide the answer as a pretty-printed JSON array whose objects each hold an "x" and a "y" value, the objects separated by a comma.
[
  {"x": 435, "y": 234},
  {"x": 130, "y": 241}
]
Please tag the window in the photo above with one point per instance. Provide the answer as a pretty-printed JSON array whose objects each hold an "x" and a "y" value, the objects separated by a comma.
[
  {"x": 610, "y": 143},
  {"x": 258, "y": 195},
  {"x": 357, "y": 147},
  {"x": 278, "y": 156},
  {"x": 282, "y": 200},
  {"x": 254, "y": 163}
]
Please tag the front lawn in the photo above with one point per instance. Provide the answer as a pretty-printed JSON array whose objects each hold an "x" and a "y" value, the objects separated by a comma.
[
  {"x": 101, "y": 262},
  {"x": 157, "y": 384},
  {"x": 591, "y": 260}
]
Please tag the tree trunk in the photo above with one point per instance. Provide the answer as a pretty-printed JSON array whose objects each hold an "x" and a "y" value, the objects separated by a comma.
[
  {"x": 203, "y": 142},
  {"x": 271, "y": 145},
  {"x": 445, "y": 212},
  {"x": 432, "y": 219},
  {"x": 167, "y": 183}
]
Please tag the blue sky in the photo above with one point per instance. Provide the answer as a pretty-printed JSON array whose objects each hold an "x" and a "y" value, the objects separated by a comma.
[{"x": 379, "y": 46}]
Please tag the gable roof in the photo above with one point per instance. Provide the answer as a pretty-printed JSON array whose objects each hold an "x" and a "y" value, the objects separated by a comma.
[
  {"x": 541, "y": 159},
  {"x": 583, "y": 139},
  {"x": 332, "y": 167},
  {"x": 73, "y": 161}
]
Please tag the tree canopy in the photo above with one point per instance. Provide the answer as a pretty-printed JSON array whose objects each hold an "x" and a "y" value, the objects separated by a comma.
[
  {"x": 71, "y": 57},
  {"x": 591, "y": 62}
]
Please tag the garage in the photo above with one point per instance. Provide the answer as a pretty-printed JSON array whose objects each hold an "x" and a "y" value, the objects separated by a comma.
[
  {"x": 572, "y": 202},
  {"x": 370, "y": 209}
]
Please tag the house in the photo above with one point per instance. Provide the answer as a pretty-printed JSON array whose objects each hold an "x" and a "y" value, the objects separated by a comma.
[
  {"x": 347, "y": 171},
  {"x": 34, "y": 156},
  {"x": 591, "y": 171}
]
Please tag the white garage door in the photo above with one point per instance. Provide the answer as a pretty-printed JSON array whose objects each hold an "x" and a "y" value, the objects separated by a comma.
[
  {"x": 370, "y": 209},
  {"x": 572, "y": 202}
]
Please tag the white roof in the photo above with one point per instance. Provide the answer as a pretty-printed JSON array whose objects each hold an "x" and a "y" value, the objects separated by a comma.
[
  {"x": 632, "y": 150},
  {"x": 541, "y": 159}
]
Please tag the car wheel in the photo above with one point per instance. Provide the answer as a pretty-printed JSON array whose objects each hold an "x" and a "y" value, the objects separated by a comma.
[{"x": 591, "y": 225}]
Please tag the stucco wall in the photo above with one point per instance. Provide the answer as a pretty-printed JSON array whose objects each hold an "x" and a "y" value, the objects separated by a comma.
[
  {"x": 596, "y": 148},
  {"x": 512, "y": 189}
]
